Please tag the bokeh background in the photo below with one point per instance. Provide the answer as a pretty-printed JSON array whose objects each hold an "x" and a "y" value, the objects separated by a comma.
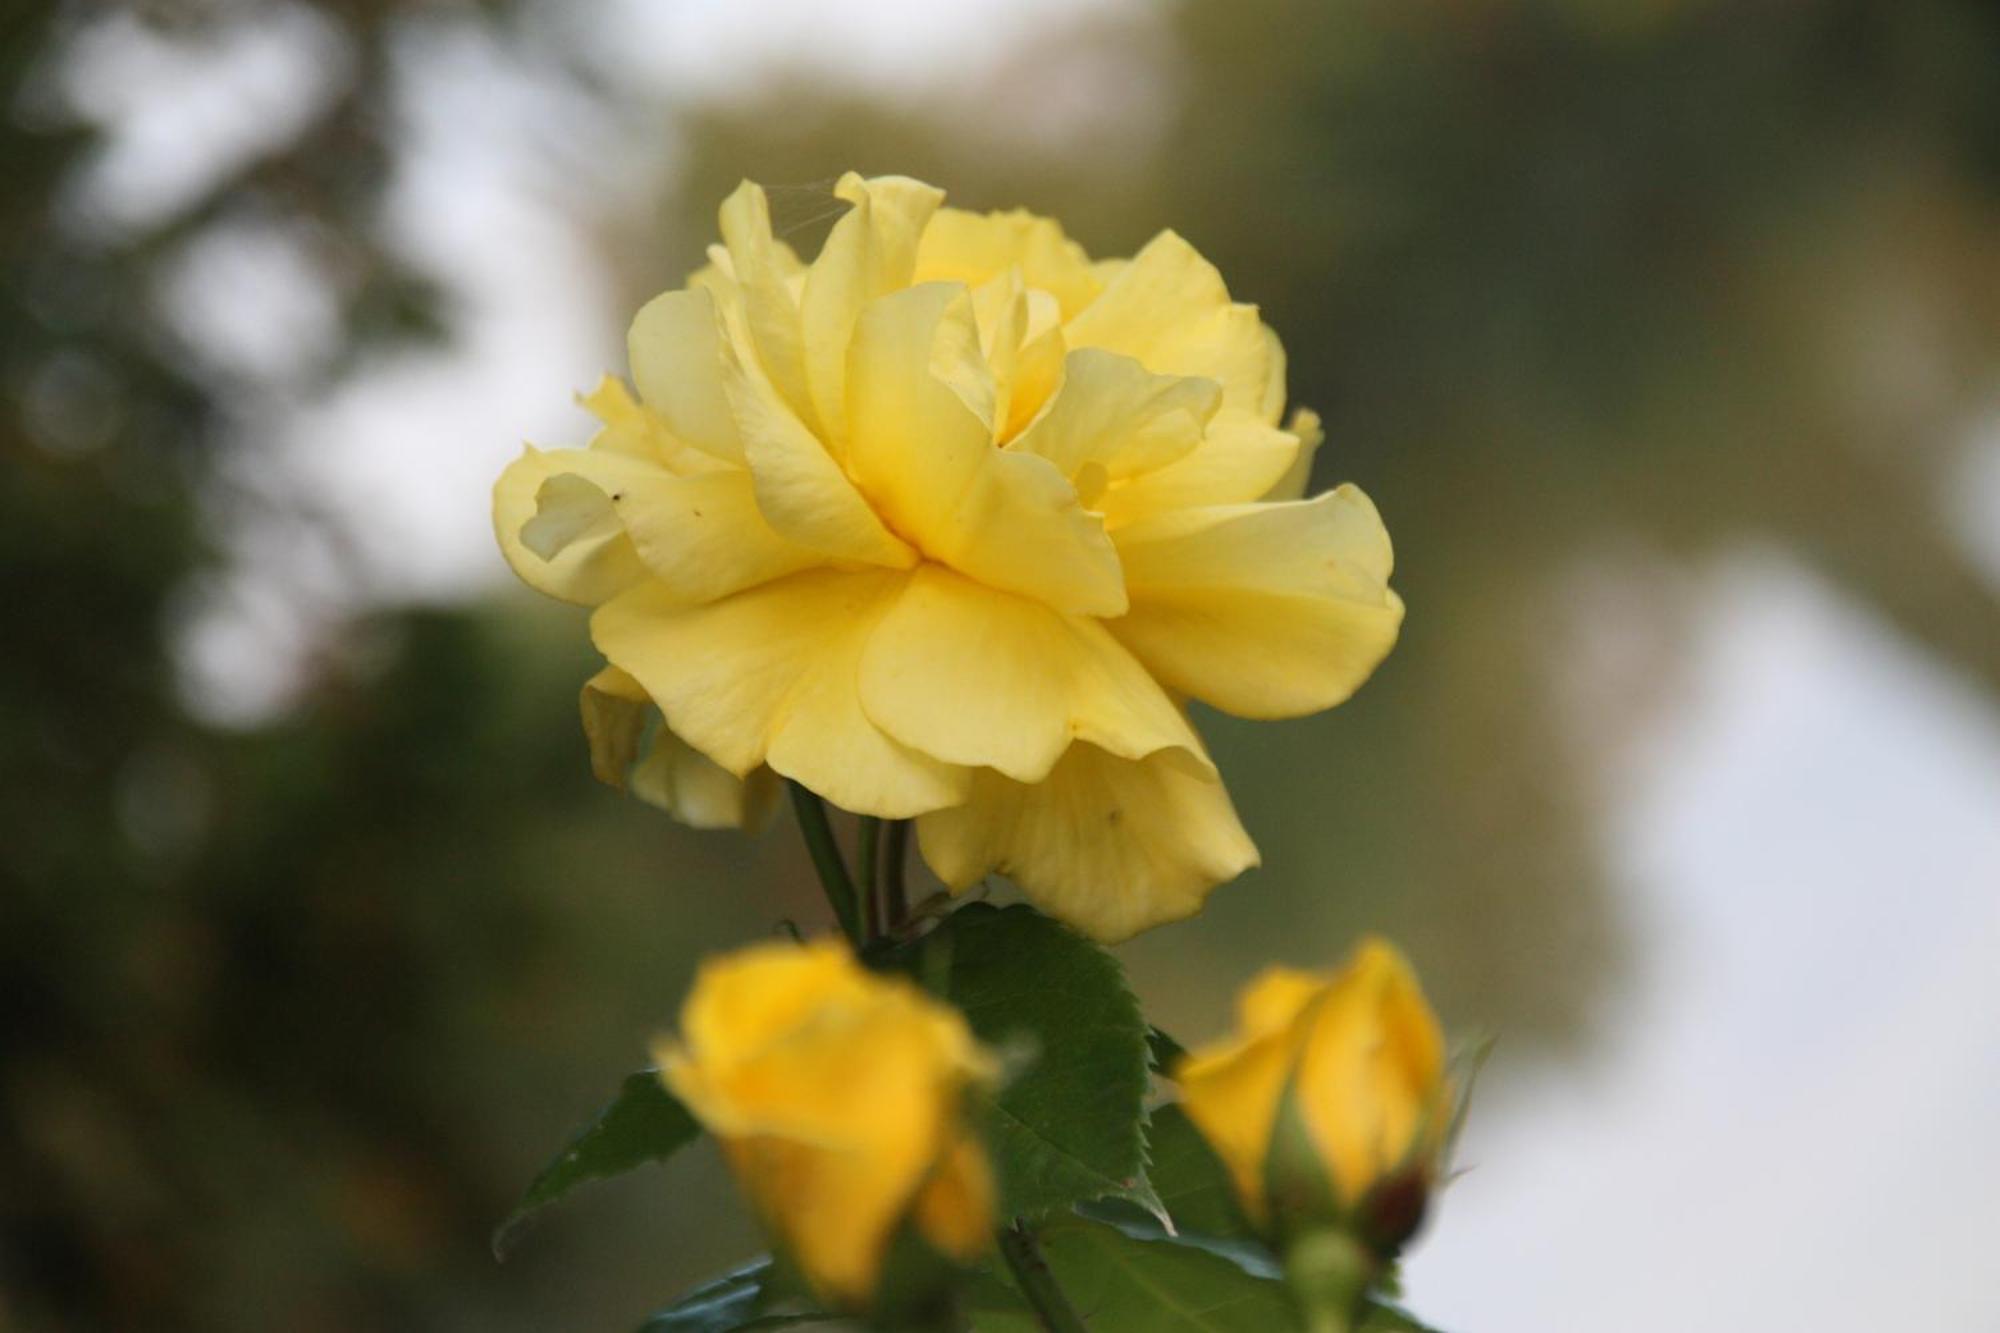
[{"x": 1666, "y": 334}]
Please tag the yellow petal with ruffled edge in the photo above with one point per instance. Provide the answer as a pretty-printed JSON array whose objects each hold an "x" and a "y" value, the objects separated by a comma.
[
  {"x": 1262, "y": 610},
  {"x": 1305, "y": 424},
  {"x": 702, "y": 536},
  {"x": 871, "y": 251},
  {"x": 973, "y": 248},
  {"x": 801, "y": 491},
  {"x": 927, "y": 461},
  {"x": 1170, "y": 309},
  {"x": 771, "y": 676},
  {"x": 1111, "y": 846},
  {"x": 671, "y": 774},
  {"x": 1114, "y": 416},
  {"x": 1238, "y": 459},
  {"x": 628, "y": 428},
  {"x": 587, "y": 563},
  {"x": 975, "y": 676}
]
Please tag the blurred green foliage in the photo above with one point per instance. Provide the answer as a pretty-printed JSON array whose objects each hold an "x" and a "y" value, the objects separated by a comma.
[{"x": 290, "y": 1014}]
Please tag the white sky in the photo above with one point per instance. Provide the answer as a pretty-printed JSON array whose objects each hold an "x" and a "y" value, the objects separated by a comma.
[{"x": 1792, "y": 1128}]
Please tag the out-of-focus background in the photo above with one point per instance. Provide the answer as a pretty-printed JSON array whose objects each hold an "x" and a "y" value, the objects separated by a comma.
[{"x": 1666, "y": 334}]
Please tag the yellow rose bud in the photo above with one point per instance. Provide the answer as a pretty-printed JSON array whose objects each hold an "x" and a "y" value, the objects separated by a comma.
[
  {"x": 837, "y": 1096},
  {"x": 1360, "y": 1056}
]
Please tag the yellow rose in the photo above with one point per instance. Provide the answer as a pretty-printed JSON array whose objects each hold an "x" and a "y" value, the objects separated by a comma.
[
  {"x": 837, "y": 1097},
  {"x": 1361, "y": 1057},
  {"x": 948, "y": 523}
]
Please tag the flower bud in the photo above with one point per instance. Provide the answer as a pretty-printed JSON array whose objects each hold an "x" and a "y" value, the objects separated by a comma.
[
  {"x": 837, "y": 1096},
  {"x": 1330, "y": 1104}
]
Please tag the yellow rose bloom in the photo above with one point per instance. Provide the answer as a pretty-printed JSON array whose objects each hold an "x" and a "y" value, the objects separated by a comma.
[
  {"x": 949, "y": 523},
  {"x": 1362, "y": 1056},
  {"x": 837, "y": 1095}
]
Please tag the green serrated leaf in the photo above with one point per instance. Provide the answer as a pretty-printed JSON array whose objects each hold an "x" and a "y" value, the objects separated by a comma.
[
  {"x": 1191, "y": 1180},
  {"x": 1070, "y": 1126},
  {"x": 644, "y": 1123},
  {"x": 1123, "y": 1284}
]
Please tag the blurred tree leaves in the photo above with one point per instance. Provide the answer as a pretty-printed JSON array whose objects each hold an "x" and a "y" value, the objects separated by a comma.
[{"x": 250, "y": 983}]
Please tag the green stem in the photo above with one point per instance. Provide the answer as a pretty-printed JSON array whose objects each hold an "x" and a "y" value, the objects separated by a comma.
[
  {"x": 868, "y": 871},
  {"x": 1329, "y": 1272},
  {"x": 1037, "y": 1282},
  {"x": 827, "y": 862},
  {"x": 895, "y": 861},
  {"x": 1327, "y": 1321}
]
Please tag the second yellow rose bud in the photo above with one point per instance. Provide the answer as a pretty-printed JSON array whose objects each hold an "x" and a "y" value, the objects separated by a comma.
[{"x": 1331, "y": 1101}]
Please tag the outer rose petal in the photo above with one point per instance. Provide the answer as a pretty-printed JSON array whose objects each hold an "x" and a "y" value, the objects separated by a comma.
[
  {"x": 629, "y": 428},
  {"x": 1170, "y": 309},
  {"x": 971, "y": 675},
  {"x": 1239, "y": 459},
  {"x": 770, "y": 676},
  {"x": 1305, "y": 424},
  {"x": 672, "y": 774},
  {"x": 702, "y": 536},
  {"x": 1109, "y": 845},
  {"x": 595, "y": 564},
  {"x": 675, "y": 347},
  {"x": 1232, "y": 1089},
  {"x": 1009, "y": 520},
  {"x": 1262, "y": 610},
  {"x": 1372, "y": 1068}
]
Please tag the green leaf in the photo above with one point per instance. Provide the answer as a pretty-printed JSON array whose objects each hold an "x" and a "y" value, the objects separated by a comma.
[
  {"x": 1382, "y": 1317},
  {"x": 994, "y": 1304},
  {"x": 1127, "y": 1276},
  {"x": 1164, "y": 1050},
  {"x": 738, "y": 1301},
  {"x": 1123, "y": 1284},
  {"x": 1071, "y": 1125},
  {"x": 643, "y": 1124},
  {"x": 729, "y": 1302},
  {"x": 1191, "y": 1180}
]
